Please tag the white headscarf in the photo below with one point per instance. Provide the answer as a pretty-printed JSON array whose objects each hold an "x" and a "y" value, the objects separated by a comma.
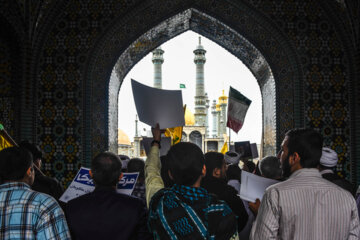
[
  {"x": 329, "y": 157},
  {"x": 232, "y": 159}
]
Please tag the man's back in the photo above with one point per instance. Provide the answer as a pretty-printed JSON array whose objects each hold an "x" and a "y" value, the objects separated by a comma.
[
  {"x": 26, "y": 214},
  {"x": 184, "y": 212},
  {"x": 306, "y": 207},
  {"x": 105, "y": 214},
  {"x": 343, "y": 183}
]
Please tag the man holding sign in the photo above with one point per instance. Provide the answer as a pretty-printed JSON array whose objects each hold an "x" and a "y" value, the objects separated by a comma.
[{"x": 104, "y": 213}]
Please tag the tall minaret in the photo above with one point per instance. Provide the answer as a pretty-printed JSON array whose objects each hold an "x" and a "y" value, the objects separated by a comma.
[
  {"x": 158, "y": 60},
  {"x": 215, "y": 120},
  {"x": 200, "y": 99}
]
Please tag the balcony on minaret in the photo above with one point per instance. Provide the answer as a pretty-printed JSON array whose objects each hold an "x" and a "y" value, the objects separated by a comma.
[{"x": 158, "y": 55}]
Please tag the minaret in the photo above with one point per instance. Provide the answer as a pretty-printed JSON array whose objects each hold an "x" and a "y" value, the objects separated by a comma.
[
  {"x": 158, "y": 60},
  {"x": 215, "y": 121},
  {"x": 137, "y": 139},
  {"x": 200, "y": 99},
  {"x": 223, "y": 116},
  {"x": 207, "y": 105},
  {"x": 136, "y": 126},
  {"x": 218, "y": 112}
]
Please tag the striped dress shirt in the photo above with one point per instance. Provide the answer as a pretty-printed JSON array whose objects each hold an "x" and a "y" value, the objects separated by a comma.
[
  {"x": 306, "y": 206},
  {"x": 26, "y": 214}
]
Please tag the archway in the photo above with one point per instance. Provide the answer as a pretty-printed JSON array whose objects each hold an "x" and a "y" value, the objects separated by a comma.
[{"x": 277, "y": 116}]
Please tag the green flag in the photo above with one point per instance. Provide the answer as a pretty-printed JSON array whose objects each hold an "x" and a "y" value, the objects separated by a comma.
[{"x": 182, "y": 85}]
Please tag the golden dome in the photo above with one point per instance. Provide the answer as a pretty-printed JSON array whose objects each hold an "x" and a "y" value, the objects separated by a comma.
[
  {"x": 123, "y": 139},
  {"x": 189, "y": 118},
  {"x": 223, "y": 98}
]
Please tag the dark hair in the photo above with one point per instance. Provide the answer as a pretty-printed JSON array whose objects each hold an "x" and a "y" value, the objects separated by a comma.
[
  {"x": 270, "y": 167},
  {"x": 14, "y": 162},
  {"x": 257, "y": 169},
  {"x": 106, "y": 169},
  {"x": 185, "y": 161},
  {"x": 250, "y": 165},
  {"x": 233, "y": 172},
  {"x": 136, "y": 165},
  {"x": 213, "y": 160},
  {"x": 32, "y": 148},
  {"x": 164, "y": 172},
  {"x": 307, "y": 143}
]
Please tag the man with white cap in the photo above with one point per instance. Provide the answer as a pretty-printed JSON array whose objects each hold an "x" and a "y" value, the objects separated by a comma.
[{"x": 328, "y": 161}]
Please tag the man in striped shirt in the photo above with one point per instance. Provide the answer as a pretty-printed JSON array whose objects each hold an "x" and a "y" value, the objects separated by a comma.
[
  {"x": 24, "y": 213},
  {"x": 306, "y": 206}
]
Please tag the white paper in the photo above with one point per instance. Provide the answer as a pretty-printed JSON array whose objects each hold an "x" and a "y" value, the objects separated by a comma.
[
  {"x": 253, "y": 186},
  {"x": 165, "y": 145},
  {"x": 155, "y": 105},
  {"x": 82, "y": 184}
]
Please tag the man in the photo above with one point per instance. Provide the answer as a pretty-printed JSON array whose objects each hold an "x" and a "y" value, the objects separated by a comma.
[
  {"x": 137, "y": 165},
  {"x": 26, "y": 214},
  {"x": 306, "y": 206},
  {"x": 42, "y": 183},
  {"x": 270, "y": 167},
  {"x": 104, "y": 213},
  {"x": 184, "y": 211},
  {"x": 328, "y": 161},
  {"x": 215, "y": 182}
]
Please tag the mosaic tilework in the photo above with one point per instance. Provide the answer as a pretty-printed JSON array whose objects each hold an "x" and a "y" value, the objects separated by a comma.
[
  {"x": 324, "y": 64},
  {"x": 6, "y": 98},
  {"x": 76, "y": 54}
]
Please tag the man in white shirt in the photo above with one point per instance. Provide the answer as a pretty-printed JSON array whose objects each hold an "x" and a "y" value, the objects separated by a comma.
[{"x": 306, "y": 206}]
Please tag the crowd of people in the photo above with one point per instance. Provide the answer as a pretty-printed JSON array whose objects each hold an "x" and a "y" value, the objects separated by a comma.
[{"x": 185, "y": 194}]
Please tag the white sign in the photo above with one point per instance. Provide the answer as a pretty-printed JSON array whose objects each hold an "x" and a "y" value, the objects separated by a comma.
[
  {"x": 253, "y": 187},
  {"x": 155, "y": 105},
  {"x": 83, "y": 184}
]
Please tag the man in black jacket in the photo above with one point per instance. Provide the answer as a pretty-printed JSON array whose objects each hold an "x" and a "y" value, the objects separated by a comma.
[
  {"x": 104, "y": 213},
  {"x": 328, "y": 161},
  {"x": 43, "y": 183},
  {"x": 215, "y": 182}
]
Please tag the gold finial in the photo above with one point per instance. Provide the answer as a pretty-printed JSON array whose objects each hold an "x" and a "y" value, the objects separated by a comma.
[{"x": 223, "y": 98}]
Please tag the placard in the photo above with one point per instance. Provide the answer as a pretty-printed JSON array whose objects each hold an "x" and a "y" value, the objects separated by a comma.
[{"x": 83, "y": 184}]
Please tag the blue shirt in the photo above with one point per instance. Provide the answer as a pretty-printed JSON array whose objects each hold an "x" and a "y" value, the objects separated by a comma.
[{"x": 26, "y": 214}]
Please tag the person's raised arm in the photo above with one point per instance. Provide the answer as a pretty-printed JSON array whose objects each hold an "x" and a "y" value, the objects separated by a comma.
[{"x": 153, "y": 180}]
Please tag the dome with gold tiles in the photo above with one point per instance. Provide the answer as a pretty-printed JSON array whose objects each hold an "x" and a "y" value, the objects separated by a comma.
[
  {"x": 189, "y": 118},
  {"x": 123, "y": 139}
]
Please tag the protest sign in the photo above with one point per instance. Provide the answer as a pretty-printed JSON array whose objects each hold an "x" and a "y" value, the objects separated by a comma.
[
  {"x": 243, "y": 148},
  {"x": 155, "y": 105},
  {"x": 165, "y": 145},
  {"x": 254, "y": 151},
  {"x": 83, "y": 184}
]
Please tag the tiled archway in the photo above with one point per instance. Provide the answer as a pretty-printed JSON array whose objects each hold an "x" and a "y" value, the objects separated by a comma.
[{"x": 212, "y": 28}]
